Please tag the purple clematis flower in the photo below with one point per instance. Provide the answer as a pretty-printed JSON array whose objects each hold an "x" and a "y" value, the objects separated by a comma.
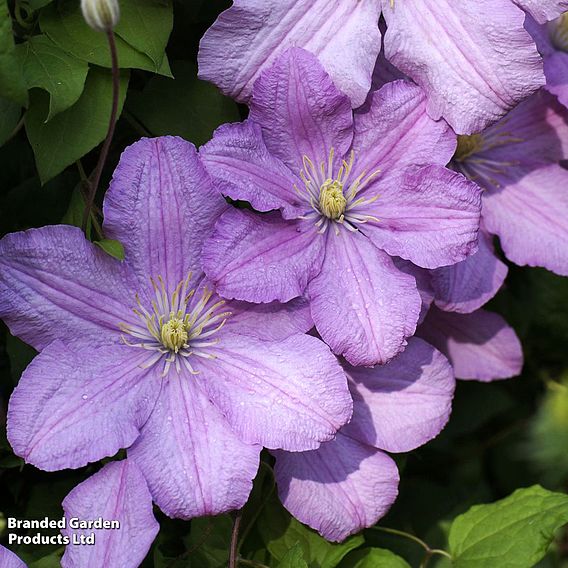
[
  {"x": 247, "y": 38},
  {"x": 480, "y": 345},
  {"x": 9, "y": 560},
  {"x": 143, "y": 354},
  {"x": 353, "y": 191},
  {"x": 118, "y": 492},
  {"x": 348, "y": 484},
  {"x": 552, "y": 42},
  {"x": 481, "y": 63},
  {"x": 516, "y": 162}
]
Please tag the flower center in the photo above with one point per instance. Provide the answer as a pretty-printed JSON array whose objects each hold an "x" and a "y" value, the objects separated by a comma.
[
  {"x": 332, "y": 196},
  {"x": 558, "y": 30},
  {"x": 467, "y": 146},
  {"x": 176, "y": 328},
  {"x": 332, "y": 202},
  {"x": 174, "y": 335}
]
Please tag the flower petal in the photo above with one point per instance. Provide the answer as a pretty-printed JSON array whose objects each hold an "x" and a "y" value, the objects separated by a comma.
[
  {"x": 290, "y": 394},
  {"x": 242, "y": 167},
  {"x": 480, "y": 346},
  {"x": 362, "y": 305},
  {"x": 262, "y": 258},
  {"x": 394, "y": 131},
  {"x": 339, "y": 489},
  {"x": 193, "y": 463},
  {"x": 77, "y": 405},
  {"x": 530, "y": 216},
  {"x": 247, "y": 37},
  {"x": 272, "y": 322},
  {"x": 301, "y": 111},
  {"x": 475, "y": 60},
  {"x": 466, "y": 286},
  {"x": 427, "y": 215},
  {"x": 399, "y": 406},
  {"x": 543, "y": 10},
  {"x": 54, "y": 284},
  {"x": 161, "y": 206},
  {"x": 118, "y": 492},
  {"x": 9, "y": 560}
]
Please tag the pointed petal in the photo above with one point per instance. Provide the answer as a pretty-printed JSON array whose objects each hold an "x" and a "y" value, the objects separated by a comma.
[
  {"x": 193, "y": 463},
  {"x": 530, "y": 216},
  {"x": 247, "y": 37},
  {"x": 362, "y": 305},
  {"x": 118, "y": 492},
  {"x": 480, "y": 346},
  {"x": 466, "y": 286},
  {"x": 54, "y": 284},
  {"x": 77, "y": 405},
  {"x": 394, "y": 131},
  {"x": 262, "y": 258},
  {"x": 161, "y": 206},
  {"x": 399, "y": 406},
  {"x": 9, "y": 560},
  {"x": 243, "y": 169},
  {"x": 290, "y": 394},
  {"x": 339, "y": 489},
  {"x": 428, "y": 215},
  {"x": 301, "y": 111},
  {"x": 481, "y": 63}
]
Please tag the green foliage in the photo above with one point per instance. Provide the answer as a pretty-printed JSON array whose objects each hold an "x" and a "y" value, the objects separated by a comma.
[
  {"x": 375, "y": 558},
  {"x": 186, "y": 106},
  {"x": 47, "y": 66},
  {"x": 114, "y": 248},
  {"x": 281, "y": 532},
  {"x": 294, "y": 558},
  {"x": 9, "y": 117},
  {"x": 64, "y": 24},
  {"x": 69, "y": 135},
  {"x": 512, "y": 533},
  {"x": 12, "y": 85}
]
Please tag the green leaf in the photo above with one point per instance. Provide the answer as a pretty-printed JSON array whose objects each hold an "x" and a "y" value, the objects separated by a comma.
[
  {"x": 65, "y": 25},
  {"x": 281, "y": 532},
  {"x": 294, "y": 558},
  {"x": 159, "y": 107},
  {"x": 74, "y": 214},
  {"x": 20, "y": 355},
  {"x": 512, "y": 533},
  {"x": 114, "y": 248},
  {"x": 374, "y": 557},
  {"x": 9, "y": 116},
  {"x": 37, "y": 4},
  {"x": 209, "y": 541},
  {"x": 72, "y": 133},
  {"x": 52, "y": 560},
  {"x": 12, "y": 85},
  {"x": 48, "y": 67},
  {"x": 146, "y": 25}
]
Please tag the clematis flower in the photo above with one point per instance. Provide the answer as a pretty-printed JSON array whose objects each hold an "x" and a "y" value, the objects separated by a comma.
[
  {"x": 247, "y": 38},
  {"x": 348, "y": 484},
  {"x": 552, "y": 42},
  {"x": 118, "y": 492},
  {"x": 142, "y": 354},
  {"x": 352, "y": 192},
  {"x": 475, "y": 60},
  {"x": 516, "y": 162},
  {"x": 480, "y": 345},
  {"x": 9, "y": 560}
]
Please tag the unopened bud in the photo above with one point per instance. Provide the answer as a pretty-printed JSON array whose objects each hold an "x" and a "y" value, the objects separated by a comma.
[{"x": 101, "y": 15}]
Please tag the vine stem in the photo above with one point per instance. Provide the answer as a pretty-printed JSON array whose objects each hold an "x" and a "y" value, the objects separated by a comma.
[
  {"x": 234, "y": 551},
  {"x": 94, "y": 184},
  {"x": 429, "y": 551}
]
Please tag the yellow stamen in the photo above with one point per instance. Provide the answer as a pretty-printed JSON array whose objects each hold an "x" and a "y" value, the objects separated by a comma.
[
  {"x": 559, "y": 32},
  {"x": 174, "y": 334},
  {"x": 467, "y": 146},
  {"x": 332, "y": 202}
]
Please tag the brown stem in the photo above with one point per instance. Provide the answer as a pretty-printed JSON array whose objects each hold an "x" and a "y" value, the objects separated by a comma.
[
  {"x": 234, "y": 552},
  {"x": 94, "y": 184}
]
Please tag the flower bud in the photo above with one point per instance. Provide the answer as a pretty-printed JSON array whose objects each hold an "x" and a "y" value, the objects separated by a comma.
[{"x": 101, "y": 15}]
